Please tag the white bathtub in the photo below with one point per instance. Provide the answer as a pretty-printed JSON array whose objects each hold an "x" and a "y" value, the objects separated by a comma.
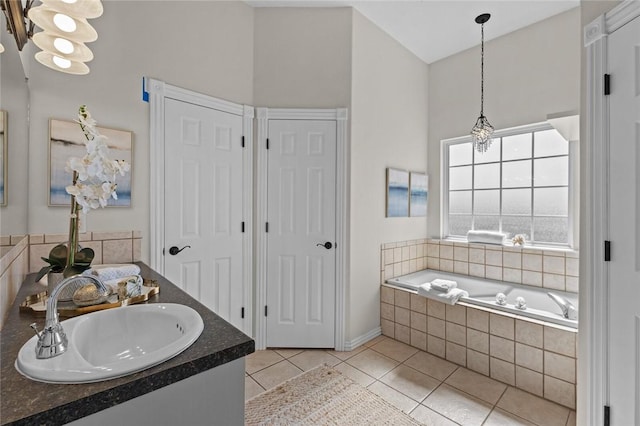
[{"x": 482, "y": 292}]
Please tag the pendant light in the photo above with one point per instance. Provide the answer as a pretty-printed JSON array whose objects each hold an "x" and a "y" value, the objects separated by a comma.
[{"x": 482, "y": 132}]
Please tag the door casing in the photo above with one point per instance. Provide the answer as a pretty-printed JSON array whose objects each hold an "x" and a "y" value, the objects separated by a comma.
[
  {"x": 156, "y": 91},
  {"x": 342, "y": 250},
  {"x": 593, "y": 375}
]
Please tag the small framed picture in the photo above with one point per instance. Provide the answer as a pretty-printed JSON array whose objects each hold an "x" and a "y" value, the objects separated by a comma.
[
  {"x": 418, "y": 194},
  {"x": 66, "y": 140},
  {"x": 397, "y": 193}
]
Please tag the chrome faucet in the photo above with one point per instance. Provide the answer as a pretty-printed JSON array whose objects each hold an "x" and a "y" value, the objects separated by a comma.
[
  {"x": 568, "y": 310},
  {"x": 52, "y": 341}
]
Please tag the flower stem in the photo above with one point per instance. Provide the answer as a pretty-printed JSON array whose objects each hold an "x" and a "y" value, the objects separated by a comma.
[{"x": 73, "y": 228}]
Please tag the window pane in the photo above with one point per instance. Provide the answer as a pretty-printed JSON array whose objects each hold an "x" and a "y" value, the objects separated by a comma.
[
  {"x": 487, "y": 223},
  {"x": 460, "y": 202},
  {"x": 487, "y": 176},
  {"x": 487, "y": 202},
  {"x": 460, "y": 177},
  {"x": 490, "y": 155},
  {"x": 516, "y": 174},
  {"x": 460, "y": 154},
  {"x": 551, "y": 171},
  {"x": 516, "y": 201},
  {"x": 551, "y": 201},
  {"x": 514, "y": 225},
  {"x": 459, "y": 225},
  {"x": 516, "y": 147},
  {"x": 550, "y": 142},
  {"x": 551, "y": 229}
]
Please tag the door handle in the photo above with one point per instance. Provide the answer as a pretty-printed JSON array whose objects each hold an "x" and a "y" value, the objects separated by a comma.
[
  {"x": 326, "y": 245},
  {"x": 175, "y": 250}
]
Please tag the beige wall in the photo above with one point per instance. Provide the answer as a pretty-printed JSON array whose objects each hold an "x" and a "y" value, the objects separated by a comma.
[
  {"x": 388, "y": 129},
  {"x": 299, "y": 60},
  {"x": 14, "y": 98},
  {"x": 528, "y": 74},
  {"x": 202, "y": 46}
]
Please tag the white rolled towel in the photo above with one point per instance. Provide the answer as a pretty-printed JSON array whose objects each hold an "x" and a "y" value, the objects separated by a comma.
[
  {"x": 115, "y": 272},
  {"x": 440, "y": 284},
  {"x": 486, "y": 237},
  {"x": 451, "y": 297}
]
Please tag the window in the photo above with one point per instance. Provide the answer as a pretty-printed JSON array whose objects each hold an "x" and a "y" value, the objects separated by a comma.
[{"x": 521, "y": 185}]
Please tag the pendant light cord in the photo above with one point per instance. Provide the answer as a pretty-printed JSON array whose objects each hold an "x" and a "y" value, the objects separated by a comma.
[{"x": 482, "y": 70}]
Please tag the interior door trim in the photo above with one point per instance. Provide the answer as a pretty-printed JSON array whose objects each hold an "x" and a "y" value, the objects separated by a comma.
[
  {"x": 340, "y": 115},
  {"x": 158, "y": 91},
  {"x": 593, "y": 374}
]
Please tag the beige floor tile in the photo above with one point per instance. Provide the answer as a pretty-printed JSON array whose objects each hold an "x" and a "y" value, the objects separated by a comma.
[
  {"x": 572, "y": 419},
  {"x": 355, "y": 374},
  {"x": 499, "y": 417},
  {"x": 410, "y": 382},
  {"x": 313, "y": 358},
  {"x": 251, "y": 388},
  {"x": 431, "y": 365},
  {"x": 276, "y": 374},
  {"x": 372, "y": 363},
  {"x": 260, "y": 360},
  {"x": 288, "y": 353},
  {"x": 394, "y": 350},
  {"x": 376, "y": 340},
  {"x": 533, "y": 408},
  {"x": 475, "y": 384},
  {"x": 393, "y": 397},
  {"x": 458, "y": 406},
  {"x": 343, "y": 355},
  {"x": 429, "y": 417}
]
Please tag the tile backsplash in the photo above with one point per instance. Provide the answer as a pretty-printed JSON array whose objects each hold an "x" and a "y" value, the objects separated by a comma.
[{"x": 553, "y": 269}]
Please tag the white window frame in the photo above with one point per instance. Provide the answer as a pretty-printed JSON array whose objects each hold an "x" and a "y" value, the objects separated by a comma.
[{"x": 537, "y": 127}]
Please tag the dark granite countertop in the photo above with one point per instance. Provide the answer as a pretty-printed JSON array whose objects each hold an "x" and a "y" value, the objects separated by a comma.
[{"x": 24, "y": 401}]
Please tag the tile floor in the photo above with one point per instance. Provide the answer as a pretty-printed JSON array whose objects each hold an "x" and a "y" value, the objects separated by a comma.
[{"x": 430, "y": 389}]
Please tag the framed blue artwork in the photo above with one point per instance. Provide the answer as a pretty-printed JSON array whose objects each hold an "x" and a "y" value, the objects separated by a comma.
[
  {"x": 419, "y": 192},
  {"x": 397, "y": 193}
]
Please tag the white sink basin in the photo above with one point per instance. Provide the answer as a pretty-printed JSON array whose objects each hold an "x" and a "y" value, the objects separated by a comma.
[{"x": 114, "y": 342}]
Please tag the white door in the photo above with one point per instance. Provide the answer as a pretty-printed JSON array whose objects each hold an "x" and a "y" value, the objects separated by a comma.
[
  {"x": 624, "y": 193},
  {"x": 301, "y": 233},
  {"x": 203, "y": 206}
]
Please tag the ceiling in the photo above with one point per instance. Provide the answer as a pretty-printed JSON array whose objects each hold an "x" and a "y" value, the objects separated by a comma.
[{"x": 435, "y": 29}]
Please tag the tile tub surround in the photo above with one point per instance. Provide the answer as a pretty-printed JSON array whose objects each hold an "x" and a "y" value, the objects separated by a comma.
[
  {"x": 109, "y": 247},
  {"x": 552, "y": 269},
  {"x": 23, "y": 401},
  {"x": 14, "y": 265},
  {"x": 534, "y": 356}
]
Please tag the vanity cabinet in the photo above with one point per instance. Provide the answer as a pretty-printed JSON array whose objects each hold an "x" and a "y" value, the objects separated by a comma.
[{"x": 202, "y": 385}]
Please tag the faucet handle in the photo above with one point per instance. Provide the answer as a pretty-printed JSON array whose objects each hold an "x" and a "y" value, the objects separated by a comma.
[{"x": 35, "y": 329}]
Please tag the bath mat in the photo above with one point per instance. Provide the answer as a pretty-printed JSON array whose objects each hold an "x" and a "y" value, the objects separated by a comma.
[{"x": 322, "y": 396}]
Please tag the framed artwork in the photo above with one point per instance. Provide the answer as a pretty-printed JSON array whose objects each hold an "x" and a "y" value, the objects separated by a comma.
[
  {"x": 397, "y": 193},
  {"x": 67, "y": 140},
  {"x": 418, "y": 194},
  {"x": 4, "y": 143}
]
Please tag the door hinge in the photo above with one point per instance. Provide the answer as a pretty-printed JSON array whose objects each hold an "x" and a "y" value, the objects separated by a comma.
[
  {"x": 265, "y": 310},
  {"x": 607, "y": 84},
  {"x": 242, "y": 312},
  {"x": 243, "y": 141},
  {"x": 243, "y": 227},
  {"x": 607, "y": 415},
  {"x": 267, "y": 143},
  {"x": 607, "y": 251},
  {"x": 266, "y": 227}
]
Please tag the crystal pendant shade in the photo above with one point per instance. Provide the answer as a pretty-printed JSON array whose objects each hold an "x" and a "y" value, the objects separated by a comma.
[{"x": 482, "y": 134}]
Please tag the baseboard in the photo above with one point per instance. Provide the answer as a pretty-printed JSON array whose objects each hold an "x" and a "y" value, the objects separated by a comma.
[{"x": 361, "y": 340}]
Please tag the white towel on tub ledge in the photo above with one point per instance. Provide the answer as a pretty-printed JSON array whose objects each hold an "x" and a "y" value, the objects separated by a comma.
[
  {"x": 451, "y": 297},
  {"x": 486, "y": 237}
]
